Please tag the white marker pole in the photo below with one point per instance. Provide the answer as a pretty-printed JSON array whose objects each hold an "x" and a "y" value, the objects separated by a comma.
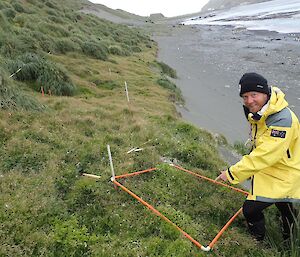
[
  {"x": 126, "y": 90},
  {"x": 109, "y": 72},
  {"x": 15, "y": 72},
  {"x": 111, "y": 164}
]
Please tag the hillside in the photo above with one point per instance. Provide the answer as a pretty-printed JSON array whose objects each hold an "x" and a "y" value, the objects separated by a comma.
[
  {"x": 116, "y": 16},
  {"x": 62, "y": 78}
]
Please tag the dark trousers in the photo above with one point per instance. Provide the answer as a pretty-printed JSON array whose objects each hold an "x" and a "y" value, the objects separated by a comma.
[{"x": 253, "y": 212}]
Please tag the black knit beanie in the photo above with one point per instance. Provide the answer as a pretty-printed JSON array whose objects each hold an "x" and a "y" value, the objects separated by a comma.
[{"x": 253, "y": 82}]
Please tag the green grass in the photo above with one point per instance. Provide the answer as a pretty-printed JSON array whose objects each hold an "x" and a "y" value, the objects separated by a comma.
[
  {"x": 241, "y": 148},
  {"x": 46, "y": 207},
  {"x": 167, "y": 70},
  {"x": 176, "y": 95}
]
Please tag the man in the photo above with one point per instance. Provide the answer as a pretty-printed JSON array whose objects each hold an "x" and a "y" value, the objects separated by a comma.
[{"x": 273, "y": 165}]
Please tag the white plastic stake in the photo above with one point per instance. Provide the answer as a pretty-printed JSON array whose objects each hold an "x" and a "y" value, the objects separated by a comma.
[
  {"x": 109, "y": 72},
  {"x": 111, "y": 163},
  {"x": 90, "y": 175},
  {"x": 15, "y": 72},
  {"x": 126, "y": 90}
]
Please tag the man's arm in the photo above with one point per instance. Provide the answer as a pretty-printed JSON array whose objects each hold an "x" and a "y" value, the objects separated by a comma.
[{"x": 272, "y": 147}]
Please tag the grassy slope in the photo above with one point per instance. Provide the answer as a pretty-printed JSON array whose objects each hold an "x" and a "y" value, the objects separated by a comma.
[{"x": 47, "y": 209}]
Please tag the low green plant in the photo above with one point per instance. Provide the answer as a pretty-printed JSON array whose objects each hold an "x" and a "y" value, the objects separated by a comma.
[
  {"x": 136, "y": 49},
  {"x": 11, "y": 45},
  {"x": 12, "y": 98},
  {"x": 295, "y": 237},
  {"x": 3, "y": 22},
  {"x": 107, "y": 84},
  {"x": 176, "y": 95},
  {"x": 26, "y": 161},
  {"x": 116, "y": 50},
  {"x": 51, "y": 5},
  {"x": 55, "y": 30},
  {"x": 71, "y": 239},
  {"x": 288, "y": 248},
  {"x": 96, "y": 50},
  {"x": 64, "y": 45},
  {"x": 19, "y": 8},
  {"x": 32, "y": 1},
  {"x": 55, "y": 18},
  {"x": 167, "y": 70},
  {"x": 241, "y": 148},
  {"x": 9, "y": 13},
  {"x": 166, "y": 83}
]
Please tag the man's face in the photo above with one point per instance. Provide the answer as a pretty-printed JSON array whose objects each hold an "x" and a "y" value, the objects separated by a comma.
[{"x": 254, "y": 101}]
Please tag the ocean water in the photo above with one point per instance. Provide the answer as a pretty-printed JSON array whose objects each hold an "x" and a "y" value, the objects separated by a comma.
[{"x": 282, "y": 16}]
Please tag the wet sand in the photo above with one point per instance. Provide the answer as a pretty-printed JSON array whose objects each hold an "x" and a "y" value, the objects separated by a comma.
[{"x": 210, "y": 60}]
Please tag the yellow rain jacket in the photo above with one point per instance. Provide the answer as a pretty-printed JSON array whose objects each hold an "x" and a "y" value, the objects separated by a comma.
[{"x": 274, "y": 163}]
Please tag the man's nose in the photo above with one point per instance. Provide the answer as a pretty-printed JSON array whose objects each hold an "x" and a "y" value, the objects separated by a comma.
[{"x": 249, "y": 100}]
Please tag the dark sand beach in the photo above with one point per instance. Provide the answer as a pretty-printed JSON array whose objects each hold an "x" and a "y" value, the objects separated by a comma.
[{"x": 210, "y": 60}]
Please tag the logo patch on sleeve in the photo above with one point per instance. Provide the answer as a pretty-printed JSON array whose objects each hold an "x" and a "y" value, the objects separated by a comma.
[{"x": 278, "y": 133}]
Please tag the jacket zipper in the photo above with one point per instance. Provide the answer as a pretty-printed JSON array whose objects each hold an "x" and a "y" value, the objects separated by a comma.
[
  {"x": 254, "y": 146},
  {"x": 254, "y": 138}
]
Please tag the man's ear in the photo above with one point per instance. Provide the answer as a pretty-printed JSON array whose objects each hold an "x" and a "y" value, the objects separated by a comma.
[{"x": 246, "y": 111}]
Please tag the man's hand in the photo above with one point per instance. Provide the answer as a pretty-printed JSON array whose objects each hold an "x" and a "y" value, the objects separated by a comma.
[{"x": 222, "y": 176}]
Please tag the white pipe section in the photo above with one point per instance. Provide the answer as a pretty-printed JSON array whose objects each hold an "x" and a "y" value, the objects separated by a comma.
[
  {"x": 90, "y": 175},
  {"x": 15, "y": 73},
  {"x": 205, "y": 248},
  {"x": 126, "y": 90},
  {"x": 111, "y": 164}
]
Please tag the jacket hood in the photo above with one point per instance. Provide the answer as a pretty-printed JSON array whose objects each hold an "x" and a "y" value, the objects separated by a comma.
[{"x": 277, "y": 102}]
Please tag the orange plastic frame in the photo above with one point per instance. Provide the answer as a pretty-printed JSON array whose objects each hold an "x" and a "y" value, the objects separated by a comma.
[{"x": 150, "y": 207}]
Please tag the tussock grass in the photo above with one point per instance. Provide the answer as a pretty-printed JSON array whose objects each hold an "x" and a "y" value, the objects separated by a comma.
[
  {"x": 45, "y": 73},
  {"x": 18, "y": 8},
  {"x": 12, "y": 98},
  {"x": 117, "y": 50},
  {"x": 97, "y": 50},
  {"x": 167, "y": 70}
]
